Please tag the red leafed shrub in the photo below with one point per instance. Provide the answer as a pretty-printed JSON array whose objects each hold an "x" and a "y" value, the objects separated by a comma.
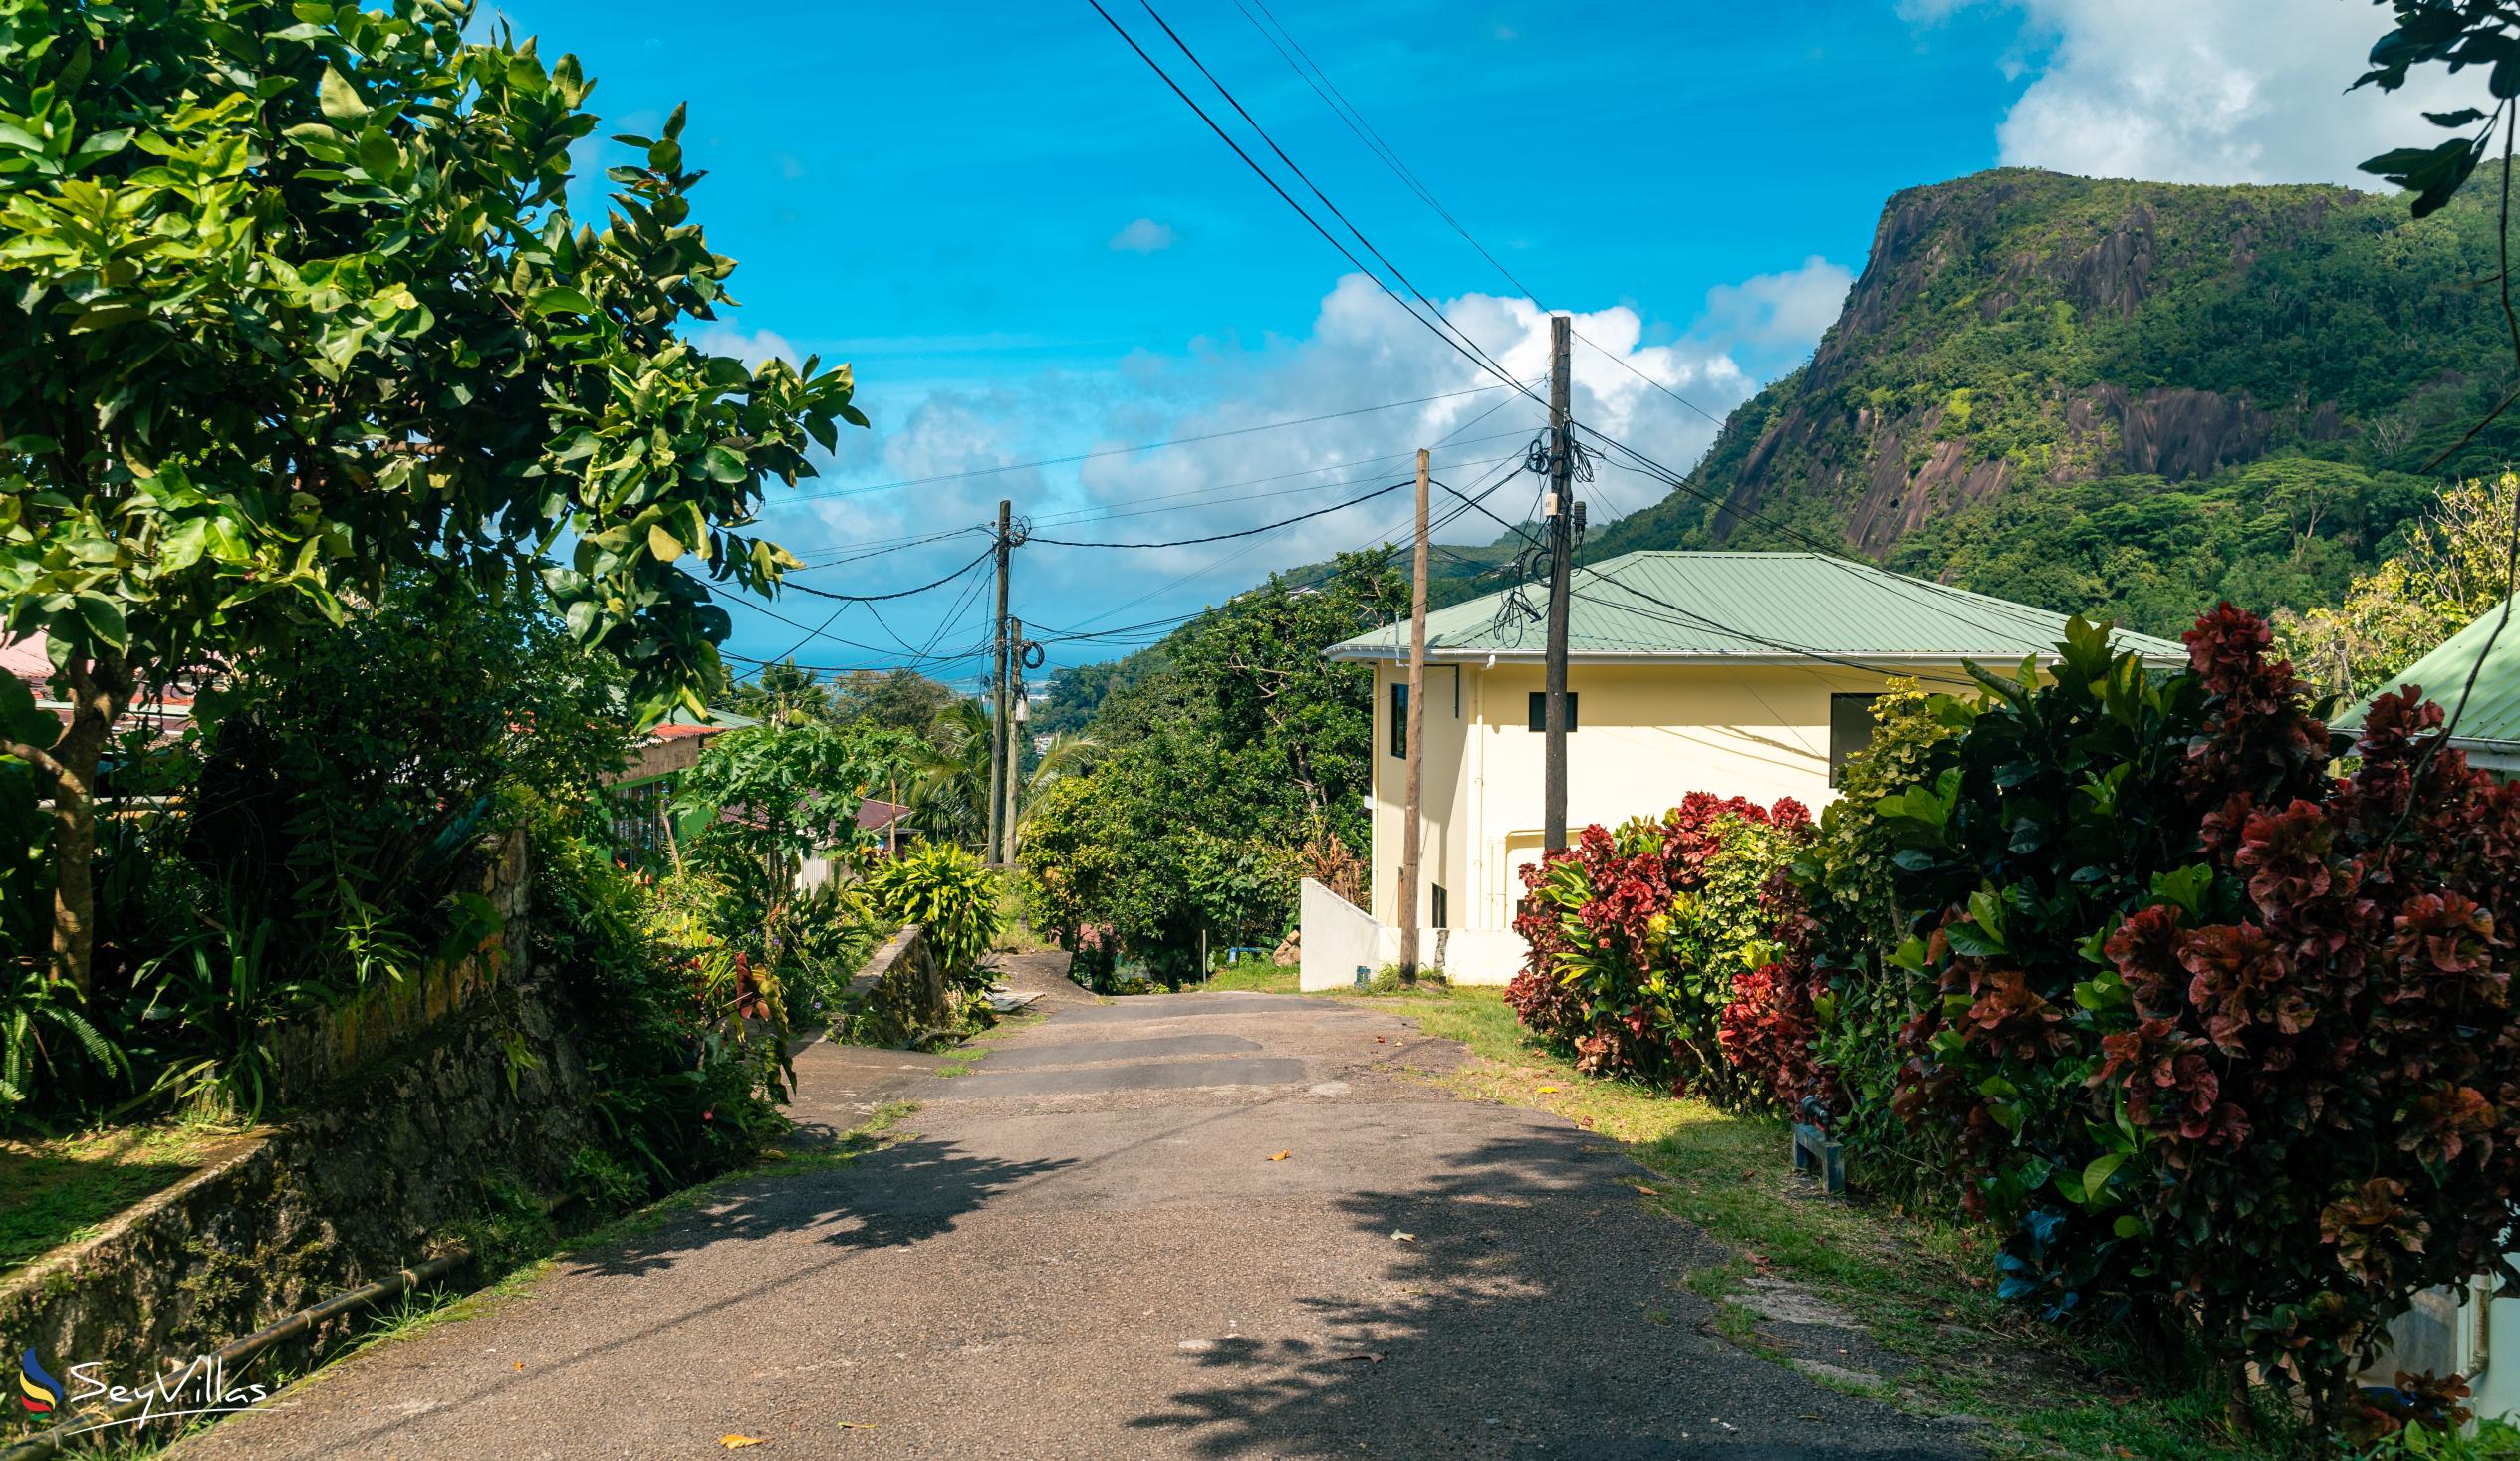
[
  {"x": 1637, "y": 937},
  {"x": 1770, "y": 1030},
  {"x": 2224, "y": 1040}
]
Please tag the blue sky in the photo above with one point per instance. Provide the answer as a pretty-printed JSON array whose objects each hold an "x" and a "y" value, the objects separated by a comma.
[{"x": 1029, "y": 247}]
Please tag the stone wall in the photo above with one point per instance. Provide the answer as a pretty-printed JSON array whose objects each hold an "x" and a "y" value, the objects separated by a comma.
[
  {"x": 463, "y": 1095},
  {"x": 900, "y": 997}
]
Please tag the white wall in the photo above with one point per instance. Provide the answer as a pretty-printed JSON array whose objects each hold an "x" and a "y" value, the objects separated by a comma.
[
  {"x": 1338, "y": 938},
  {"x": 1645, "y": 736}
]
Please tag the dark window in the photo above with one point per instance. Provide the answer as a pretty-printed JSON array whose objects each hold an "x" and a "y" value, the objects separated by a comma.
[
  {"x": 1443, "y": 918},
  {"x": 1400, "y": 720},
  {"x": 1540, "y": 710},
  {"x": 1849, "y": 729}
]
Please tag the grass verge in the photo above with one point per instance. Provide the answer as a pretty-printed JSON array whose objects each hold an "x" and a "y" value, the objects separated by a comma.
[
  {"x": 1915, "y": 1281},
  {"x": 56, "y": 1192}
]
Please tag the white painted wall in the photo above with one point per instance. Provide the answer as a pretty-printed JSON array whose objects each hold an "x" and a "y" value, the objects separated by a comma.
[
  {"x": 1647, "y": 736},
  {"x": 1339, "y": 937}
]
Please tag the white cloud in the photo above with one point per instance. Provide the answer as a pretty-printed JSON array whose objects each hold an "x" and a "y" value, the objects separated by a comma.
[
  {"x": 2206, "y": 91},
  {"x": 721, "y": 338},
  {"x": 1360, "y": 351},
  {"x": 1784, "y": 312},
  {"x": 1144, "y": 236}
]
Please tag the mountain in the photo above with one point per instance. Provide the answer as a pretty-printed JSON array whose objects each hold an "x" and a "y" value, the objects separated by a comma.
[{"x": 2122, "y": 397}]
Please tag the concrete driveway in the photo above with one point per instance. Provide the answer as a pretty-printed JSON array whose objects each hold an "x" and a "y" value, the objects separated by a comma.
[{"x": 1083, "y": 1248}]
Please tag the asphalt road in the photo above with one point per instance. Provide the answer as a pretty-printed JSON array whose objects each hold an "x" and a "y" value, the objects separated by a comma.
[{"x": 1083, "y": 1248}]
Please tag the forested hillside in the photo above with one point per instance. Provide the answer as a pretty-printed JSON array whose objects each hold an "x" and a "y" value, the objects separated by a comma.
[{"x": 2120, "y": 397}]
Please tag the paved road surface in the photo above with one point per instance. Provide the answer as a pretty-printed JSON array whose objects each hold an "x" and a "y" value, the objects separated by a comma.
[{"x": 1085, "y": 1251}]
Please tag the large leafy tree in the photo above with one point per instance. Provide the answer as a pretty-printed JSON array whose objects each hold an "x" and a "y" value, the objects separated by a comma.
[
  {"x": 290, "y": 295},
  {"x": 1223, "y": 776}
]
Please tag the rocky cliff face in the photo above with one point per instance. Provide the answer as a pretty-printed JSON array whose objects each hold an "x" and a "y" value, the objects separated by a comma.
[{"x": 2018, "y": 328}]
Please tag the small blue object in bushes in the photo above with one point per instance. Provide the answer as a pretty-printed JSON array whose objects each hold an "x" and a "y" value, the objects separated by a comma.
[{"x": 1815, "y": 1152}]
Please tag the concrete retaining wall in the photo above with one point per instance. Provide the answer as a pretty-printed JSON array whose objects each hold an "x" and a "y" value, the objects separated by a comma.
[
  {"x": 1339, "y": 938},
  {"x": 461, "y": 1094}
]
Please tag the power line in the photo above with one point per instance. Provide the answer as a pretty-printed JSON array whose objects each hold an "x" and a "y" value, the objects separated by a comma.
[
  {"x": 1225, "y": 536},
  {"x": 785, "y": 583},
  {"x": 1444, "y": 331},
  {"x": 1108, "y": 452}
]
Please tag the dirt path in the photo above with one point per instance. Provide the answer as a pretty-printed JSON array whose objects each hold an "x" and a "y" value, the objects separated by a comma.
[{"x": 1082, "y": 1247}]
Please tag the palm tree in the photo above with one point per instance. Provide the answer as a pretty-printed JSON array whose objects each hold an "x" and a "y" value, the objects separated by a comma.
[
  {"x": 950, "y": 786},
  {"x": 1067, "y": 754}
]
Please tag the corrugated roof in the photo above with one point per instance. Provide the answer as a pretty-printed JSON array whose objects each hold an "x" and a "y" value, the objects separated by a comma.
[
  {"x": 2492, "y": 718},
  {"x": 1744, "y": 607}
]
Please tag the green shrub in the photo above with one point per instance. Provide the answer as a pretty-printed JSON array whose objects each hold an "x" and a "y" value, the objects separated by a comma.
[
  {"x": 681, "y": 1039},
  {"x": 830, "y": 932},
  {"x": 1637, "y": 937},
  {"x": 2221, "y": 1040},
  {"x": 951, "y": 897}
]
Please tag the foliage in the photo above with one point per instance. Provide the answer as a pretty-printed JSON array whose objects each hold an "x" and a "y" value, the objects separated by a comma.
[
  {"x": 829, "y": 931},
  {"x": 322, "y": 832},
  {"x": 1637, "y": 938},
  {"x": 683, "y": 1045},
  {"x": 2284, "y": 533},
  {"x": 2455, "y": 34},
  {"x": 2223, "y": 1041},
  {"x": 1846, "y": 888},
  {"x": 951, "y": 897},
  {"x": 761, "y": 799},
  {"x": 2456, "y": 565},
  {"x": 894, "y": 699},
  {"x": 1218, "y": 766},
  {"x": 344, "y": 788},
  {"x": 293, "y": 297}
]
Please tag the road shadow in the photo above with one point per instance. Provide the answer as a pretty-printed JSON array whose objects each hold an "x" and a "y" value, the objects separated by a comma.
[
  {"x": 886, "y": 1196},
  {"x": 1535, "y": 1308}
]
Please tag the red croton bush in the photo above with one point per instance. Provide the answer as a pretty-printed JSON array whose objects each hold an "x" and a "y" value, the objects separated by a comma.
[
  {"x": 2223, "y": 1039},
  {"x": 1642, "y": 941}
]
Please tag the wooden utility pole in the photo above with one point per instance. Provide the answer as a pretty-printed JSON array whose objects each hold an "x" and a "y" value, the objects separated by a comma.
[
  {"x": 1560, "y": 573},
  {"x": 1412, "y": 815},
  {"x": 1014, "y": 746},
  {"x": 1000, "y": 738}
]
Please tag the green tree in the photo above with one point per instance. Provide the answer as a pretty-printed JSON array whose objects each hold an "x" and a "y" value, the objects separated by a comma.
[
  {"x": 1217, "y": 771},
  {"x": 290, "y": 295},
  {"x": 902, "y": 699},
  {"x": 783, "y": 694},
  {"x": 762, "y": 798}
]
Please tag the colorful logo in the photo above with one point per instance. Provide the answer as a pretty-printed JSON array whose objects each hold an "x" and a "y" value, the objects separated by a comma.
[{"x": 38, "y": 1391}]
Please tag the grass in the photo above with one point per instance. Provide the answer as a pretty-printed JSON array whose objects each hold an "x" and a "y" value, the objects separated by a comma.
[
  {"x": 61, "y": 1191},
  {"x": 1015, "y": 935},
  {"x": 1916, "y": 1282},
  {"x": 1255, "y": 976}
]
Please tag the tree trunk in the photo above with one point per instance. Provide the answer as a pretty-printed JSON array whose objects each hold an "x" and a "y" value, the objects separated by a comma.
[{"x": 99, "y": 691}]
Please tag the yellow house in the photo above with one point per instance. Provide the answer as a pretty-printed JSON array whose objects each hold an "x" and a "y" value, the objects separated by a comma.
[{"x": 1738, "y": 673}]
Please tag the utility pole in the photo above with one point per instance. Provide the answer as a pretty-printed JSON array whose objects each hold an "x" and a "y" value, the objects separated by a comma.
[
  {"x": 999, "y": 736},
  {"x": 1561, "y": 515},
  {"x": 1412, "y": 814},
  {"x": 1015, "y": 714}
]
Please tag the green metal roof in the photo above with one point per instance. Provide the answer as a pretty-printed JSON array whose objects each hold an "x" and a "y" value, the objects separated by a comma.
[
  {"x": 2491, "y": 721},
  {"x": 1743, "y": 608}
]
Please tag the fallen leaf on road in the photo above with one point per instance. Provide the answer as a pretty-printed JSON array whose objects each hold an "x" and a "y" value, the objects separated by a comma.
[
  {"x": 855, "y": 1425},
  {"x": 1400, "y": 1237},
  {"x": 1382, "y": 1040},
  {"x": 1647, "y": 1191},
  {"x": 1377, "y": 1358},
  {"x": 520, "y": 1367},
  {"x": 1281, "y": 1156},
  {"x": 1548, "y": 1090},
  {"x": 737, "y": 1443}
]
